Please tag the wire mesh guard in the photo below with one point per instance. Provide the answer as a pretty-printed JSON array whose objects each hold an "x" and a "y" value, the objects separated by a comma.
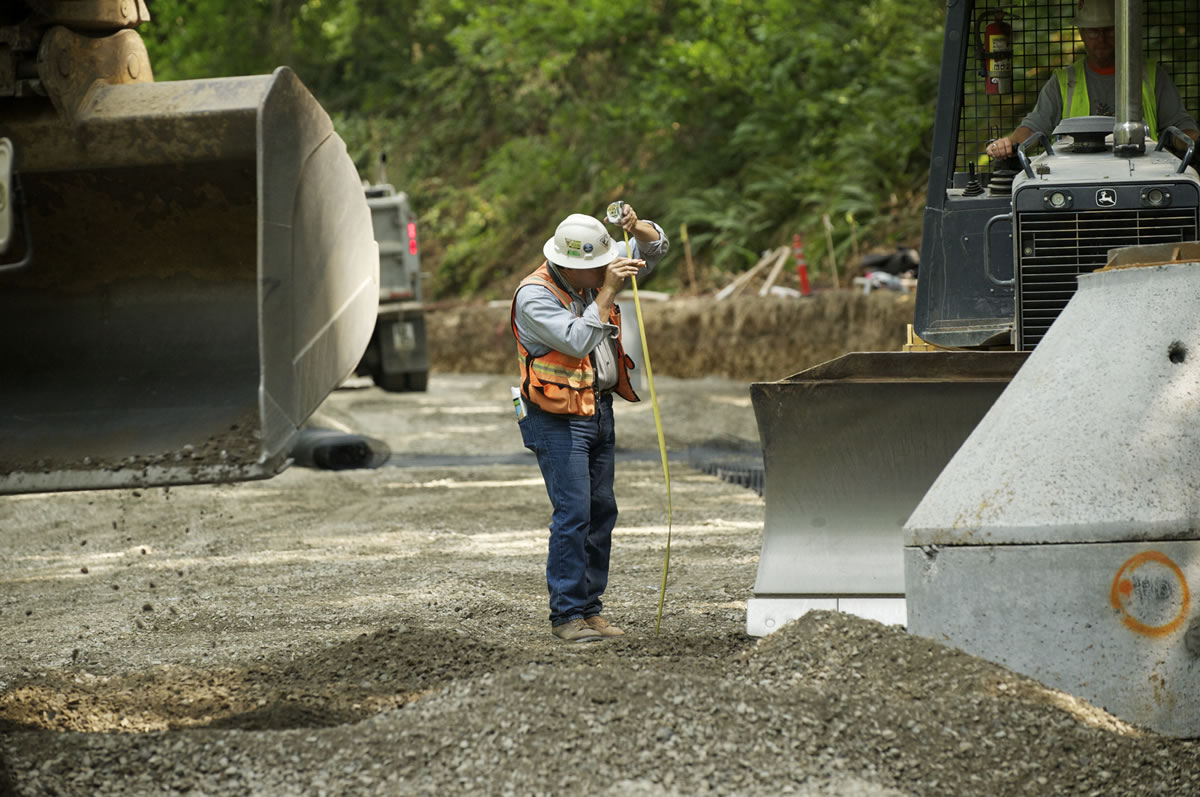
[{"x": 1044, "y": 39}]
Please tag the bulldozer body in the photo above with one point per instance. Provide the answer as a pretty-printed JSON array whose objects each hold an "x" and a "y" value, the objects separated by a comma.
[
  {"x": 1108, "y": 206},
  {"x": 850, "y": 450}
]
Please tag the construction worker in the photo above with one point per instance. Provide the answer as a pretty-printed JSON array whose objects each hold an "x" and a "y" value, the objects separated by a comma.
[
  {"x": 566, "y": 322},
  {"x": 1087, "y": 87}
]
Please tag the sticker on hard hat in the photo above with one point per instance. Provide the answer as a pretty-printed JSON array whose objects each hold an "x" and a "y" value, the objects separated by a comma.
[
  {"x": 573, "y": 244},
  {"x": 604, "y": 240},
  {"x": 588, "y": 248},
  {"x": 574, "y": 253}
]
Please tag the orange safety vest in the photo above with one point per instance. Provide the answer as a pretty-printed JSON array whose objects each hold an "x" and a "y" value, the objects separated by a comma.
[{"x": 558, "y": 382}]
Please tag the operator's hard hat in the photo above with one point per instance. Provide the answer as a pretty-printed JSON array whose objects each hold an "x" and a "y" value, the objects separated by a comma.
[
  {"x": 1094, "y": 14},
  {"x": 580, "y": 242}
]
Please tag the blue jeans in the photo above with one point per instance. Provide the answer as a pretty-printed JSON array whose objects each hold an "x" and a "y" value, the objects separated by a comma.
[{"x": 576, "y": 457}]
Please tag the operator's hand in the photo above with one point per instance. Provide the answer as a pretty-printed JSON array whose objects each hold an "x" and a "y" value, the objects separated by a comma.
[
  {"x": 629, "y": 218},
  {"x": 1001, "y": 148},
  {"x": 619, "y": 270}
]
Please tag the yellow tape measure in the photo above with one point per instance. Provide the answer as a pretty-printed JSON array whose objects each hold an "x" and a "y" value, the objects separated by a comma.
[
  {"x": 662, "y": 451},
  {"x": 614, "y": 216}
]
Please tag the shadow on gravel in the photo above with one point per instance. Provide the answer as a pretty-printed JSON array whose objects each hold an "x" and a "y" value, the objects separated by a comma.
[
  {"x": 333, "y": 686},
  {"x": 7, "y": 789},
  {"x": 351, "y": 681},
  {"x": 330, "y": 686},
  {"x": 281, "y": 716}
]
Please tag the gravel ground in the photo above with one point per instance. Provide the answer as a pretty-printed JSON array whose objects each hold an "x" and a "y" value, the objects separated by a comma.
[{"x": 385, "y": 632}]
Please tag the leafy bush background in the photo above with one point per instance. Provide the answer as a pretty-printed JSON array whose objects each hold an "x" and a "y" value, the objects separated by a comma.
[{"x": 745, "y": 120}]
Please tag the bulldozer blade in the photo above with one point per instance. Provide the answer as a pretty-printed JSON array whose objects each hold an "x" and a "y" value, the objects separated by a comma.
[
  {"x": 849, "y": 449},
  {"x": 203, "y": 274}
]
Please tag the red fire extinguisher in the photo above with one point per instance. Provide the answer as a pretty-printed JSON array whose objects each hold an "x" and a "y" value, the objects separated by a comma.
[{"x": 997, "y": 43}]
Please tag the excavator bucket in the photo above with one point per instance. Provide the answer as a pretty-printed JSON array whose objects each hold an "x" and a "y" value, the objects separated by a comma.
[
  {"x": 849, "y": 449},
  {"x": 201, "y": 272}
]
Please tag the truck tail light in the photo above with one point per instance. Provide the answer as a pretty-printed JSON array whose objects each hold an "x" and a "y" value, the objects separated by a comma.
[{"x": 412, "y": 237}]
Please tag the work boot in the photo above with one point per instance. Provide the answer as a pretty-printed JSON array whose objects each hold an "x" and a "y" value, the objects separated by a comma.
[
  {"x": 576, "y": 631},
  {"x": 603, "y": 627}
]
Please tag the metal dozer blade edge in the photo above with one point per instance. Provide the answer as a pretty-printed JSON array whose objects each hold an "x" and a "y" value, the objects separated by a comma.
[{"x": 849, "y": 448}]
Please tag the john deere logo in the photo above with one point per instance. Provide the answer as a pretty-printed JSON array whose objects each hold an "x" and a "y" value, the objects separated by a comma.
[{"x": 1106, "y": 198}]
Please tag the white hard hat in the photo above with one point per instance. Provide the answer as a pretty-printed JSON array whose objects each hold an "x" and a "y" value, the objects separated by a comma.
[
  {"x": 580, "y": 242},
  {"x": 1094, "y": 14}
]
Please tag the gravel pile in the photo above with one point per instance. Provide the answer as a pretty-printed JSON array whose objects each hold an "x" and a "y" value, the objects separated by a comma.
[
  {"x": 831, "y": 704},
  {"x": 384, "y": 632}
]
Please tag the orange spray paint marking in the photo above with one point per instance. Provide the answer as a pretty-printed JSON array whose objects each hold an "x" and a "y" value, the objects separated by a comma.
[{"x": 1154, "y": 591}]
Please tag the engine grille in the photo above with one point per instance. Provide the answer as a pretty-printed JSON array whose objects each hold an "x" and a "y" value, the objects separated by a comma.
[{"x": 1055, "y": 248}]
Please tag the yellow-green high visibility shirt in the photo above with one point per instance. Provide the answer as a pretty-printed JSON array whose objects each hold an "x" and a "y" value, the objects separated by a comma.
[{"x": 1073, "y": 83}]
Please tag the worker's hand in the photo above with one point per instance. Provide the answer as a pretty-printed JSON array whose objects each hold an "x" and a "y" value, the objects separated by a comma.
[
  {"x": 1001, "y": 148},
  {"x": 619, "y": 270},
  {"x": 629, "y": 218},
  {"x": 642, "y": 230}
]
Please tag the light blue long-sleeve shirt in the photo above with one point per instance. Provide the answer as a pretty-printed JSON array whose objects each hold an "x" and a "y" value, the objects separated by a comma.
[{"x": 545, "y": 325}]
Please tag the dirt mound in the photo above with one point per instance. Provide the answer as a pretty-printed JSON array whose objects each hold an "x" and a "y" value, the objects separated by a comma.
[{"x": 748, "y": 338}]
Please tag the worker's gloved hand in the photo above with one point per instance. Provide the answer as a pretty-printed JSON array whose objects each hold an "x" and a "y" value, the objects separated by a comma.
[{"x": 1001, "y": 148}]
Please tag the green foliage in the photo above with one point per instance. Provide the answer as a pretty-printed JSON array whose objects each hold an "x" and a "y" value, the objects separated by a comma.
[{"x": 746, "y": 121}]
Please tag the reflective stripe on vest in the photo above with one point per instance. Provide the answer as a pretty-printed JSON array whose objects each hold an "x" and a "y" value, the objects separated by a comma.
[
  {"x": 558, "y": 382},
  {"x": 578, "y": 378},
  {"x": 1076, "y": 102}
]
